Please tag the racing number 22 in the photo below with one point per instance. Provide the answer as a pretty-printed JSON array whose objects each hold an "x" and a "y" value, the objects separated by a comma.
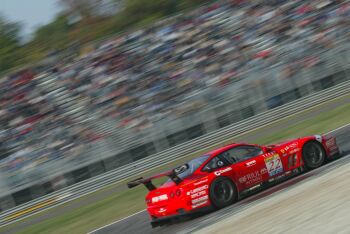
[{"x": 274, "y": 165}]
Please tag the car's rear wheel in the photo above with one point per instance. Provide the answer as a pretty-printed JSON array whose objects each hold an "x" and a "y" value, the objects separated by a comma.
[
  {"x": 222, "y": 192},
  {"x": 313, "y": 155}
]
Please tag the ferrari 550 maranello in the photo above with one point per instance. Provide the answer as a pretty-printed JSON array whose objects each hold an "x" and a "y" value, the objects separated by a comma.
[{"x": 220, "y": 177}]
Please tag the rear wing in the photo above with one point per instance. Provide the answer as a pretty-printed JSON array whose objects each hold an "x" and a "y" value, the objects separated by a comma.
[{"x": 147, "y": 182}]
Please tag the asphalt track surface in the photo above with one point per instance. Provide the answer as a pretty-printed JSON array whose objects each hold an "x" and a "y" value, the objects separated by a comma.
[{"x": 139, "y": 223}]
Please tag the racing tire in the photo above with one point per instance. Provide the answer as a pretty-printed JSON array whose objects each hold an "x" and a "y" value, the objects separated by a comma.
[
  {"x": 222, "y": 192},
  {"x": 313, "y": 154}
]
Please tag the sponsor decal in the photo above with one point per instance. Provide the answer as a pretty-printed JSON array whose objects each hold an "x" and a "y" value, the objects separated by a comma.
[
  {"x": 201, "y": 193},
  {"x": 200, "y": 199},
  {"x": 219, "y": 172},
  {"x": 161, "y": 210},
  {"x": 251, "y": 163},
  {"x": 199, "y": 204},
  {"x": 288, "y": 147},
  {"x": 273, "y": 164},
  {"x": 200, "y": 182},
  {"x": 263, "y": 171},
  {"x": 163, "y": 197},
  {"x": 294, "y": 151},
  {"x": 251, "y": 178},
  {"x": 196, "y": 190},
  {"x": 242, "y": 180}
]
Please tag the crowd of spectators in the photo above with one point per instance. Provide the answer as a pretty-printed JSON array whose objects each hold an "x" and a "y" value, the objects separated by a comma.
[
  {"x": 32, "y": 129},
  {"x": 153, "y": 73},
  {"x": 149, "y": 74}
]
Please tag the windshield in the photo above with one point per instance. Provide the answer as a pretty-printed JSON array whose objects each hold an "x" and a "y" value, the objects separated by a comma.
[{"x": 193, "y": 165}]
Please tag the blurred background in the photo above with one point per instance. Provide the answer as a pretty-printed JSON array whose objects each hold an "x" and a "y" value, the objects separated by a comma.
[{"x": 109, "y": 82}]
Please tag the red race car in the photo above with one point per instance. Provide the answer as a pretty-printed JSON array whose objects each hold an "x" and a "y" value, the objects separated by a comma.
[{"x": 220, "y": 177}]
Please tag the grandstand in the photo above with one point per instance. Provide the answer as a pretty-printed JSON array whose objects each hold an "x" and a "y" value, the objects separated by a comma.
[{"x": 145, "y": 91}]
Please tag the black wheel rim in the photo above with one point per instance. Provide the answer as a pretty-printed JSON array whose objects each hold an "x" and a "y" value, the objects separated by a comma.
[
  {"x": 313, "y": 154},
  {"x": 223, "y": 191}
]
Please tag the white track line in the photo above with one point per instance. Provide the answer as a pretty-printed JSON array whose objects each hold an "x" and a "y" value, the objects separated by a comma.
[
  {"x": 334, "y": 130},
  {"x": 116, "y": 221},
  {"x": 337, "y": 129}
]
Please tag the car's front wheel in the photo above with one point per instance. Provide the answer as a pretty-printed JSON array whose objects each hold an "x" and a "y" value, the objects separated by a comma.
[
  {"x": 222, "y": 192},
  {"x": 313, "y": 155}
]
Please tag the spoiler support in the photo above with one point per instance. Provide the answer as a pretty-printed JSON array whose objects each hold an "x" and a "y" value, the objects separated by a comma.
[{"x": 148, "y": 181}]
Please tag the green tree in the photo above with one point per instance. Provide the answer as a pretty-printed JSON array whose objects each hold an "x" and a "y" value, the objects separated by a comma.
[
  {"x": 9, "y": 44},
  {"x": 53, "y": 35}
]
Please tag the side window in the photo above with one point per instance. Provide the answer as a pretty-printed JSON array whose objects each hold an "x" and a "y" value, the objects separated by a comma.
[
  {"x": 242, "y": 153},
  {"x": 215, "y": 163},
  {"x": 254, "y": 151},
  {"x": 229, "y": 156}
]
